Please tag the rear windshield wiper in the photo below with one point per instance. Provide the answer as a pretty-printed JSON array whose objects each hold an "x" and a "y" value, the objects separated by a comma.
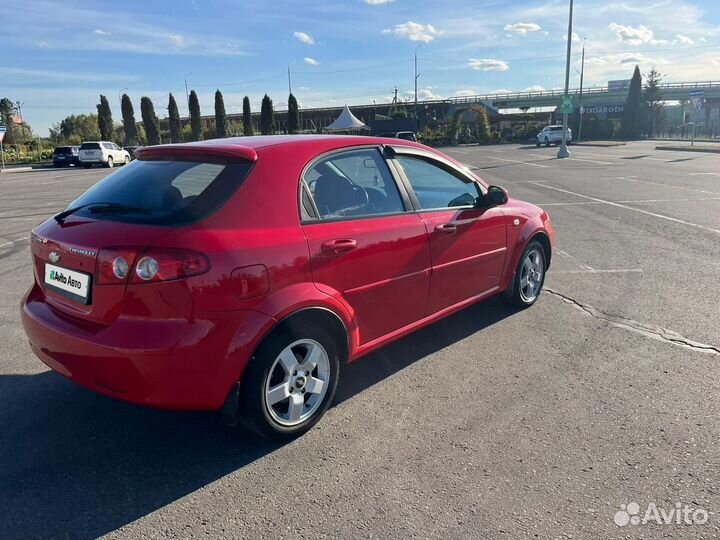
[{"x": 97, "y": 207}]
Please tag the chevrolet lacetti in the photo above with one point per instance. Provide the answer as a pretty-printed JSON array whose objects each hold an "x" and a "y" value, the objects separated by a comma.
[{"x": 240, "y": 274}]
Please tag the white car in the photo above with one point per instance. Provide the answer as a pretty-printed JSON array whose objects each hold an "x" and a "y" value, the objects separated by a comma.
[
  {"x": 103, "y": 153},
  {"x": 552, "y": 135}
]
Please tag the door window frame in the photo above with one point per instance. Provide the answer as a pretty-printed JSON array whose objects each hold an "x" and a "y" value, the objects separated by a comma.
[
  {"x": 437, "y": 161},
  {"x": 309, "y": 214}
]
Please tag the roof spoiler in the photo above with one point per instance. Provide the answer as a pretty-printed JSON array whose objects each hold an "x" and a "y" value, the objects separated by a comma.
[{"x": 196, "y": 151}]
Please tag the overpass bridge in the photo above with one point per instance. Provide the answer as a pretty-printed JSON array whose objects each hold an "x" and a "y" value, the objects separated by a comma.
[{"x": 592, "y": 96}]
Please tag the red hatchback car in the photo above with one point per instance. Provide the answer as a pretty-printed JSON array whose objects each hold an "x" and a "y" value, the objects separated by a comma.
[{"x": 239, "y": 274}]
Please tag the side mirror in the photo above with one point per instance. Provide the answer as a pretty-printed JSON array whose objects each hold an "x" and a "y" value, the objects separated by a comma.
[{"x": 496, "y": 196}]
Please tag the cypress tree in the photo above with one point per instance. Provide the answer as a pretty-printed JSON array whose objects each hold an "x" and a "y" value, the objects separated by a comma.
[
  {"x": 247, "y": 117},
  {"x": 128, "y": 116},
  {"x": 150, "y": 121},
  {"x": 195, "y": 121},
  {"x": 105, "y": 122},
  {"x": 293, "y": 114},
  {"x": 630, "y": 123},
  {"x": 266, "y": 116},
  {"x": 173, "y": 120},
  {"x": 220, "y": 116}
]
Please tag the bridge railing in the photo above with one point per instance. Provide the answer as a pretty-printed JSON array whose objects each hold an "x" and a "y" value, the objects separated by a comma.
[{"x": 559, "y": 92}]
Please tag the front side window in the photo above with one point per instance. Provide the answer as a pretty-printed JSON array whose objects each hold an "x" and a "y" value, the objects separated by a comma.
[
  {"x": 435, "y": 187},
  {"x": 354, "y": 183}
]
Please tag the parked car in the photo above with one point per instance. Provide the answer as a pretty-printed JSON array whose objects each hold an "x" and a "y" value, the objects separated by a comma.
[
  {"x": 64, "y": 156},
  {"x": 239, "y": 274},
  {"x": 552, "y": 135},
  {"x": 406, "y": 135},
  {"x": 103, "y": 153}
]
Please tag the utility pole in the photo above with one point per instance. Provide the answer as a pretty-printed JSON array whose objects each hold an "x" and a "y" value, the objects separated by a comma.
[
  {"x": 187, "y": 95},
  {"x": 563, "y": 152},
  {"x": 416, "y": 80},
  {"x": 289, "y": 83},
  {"x": 580, "y": 105}
]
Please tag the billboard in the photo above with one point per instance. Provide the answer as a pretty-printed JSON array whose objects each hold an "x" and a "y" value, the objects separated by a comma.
[{"x": 616, "y": 86}]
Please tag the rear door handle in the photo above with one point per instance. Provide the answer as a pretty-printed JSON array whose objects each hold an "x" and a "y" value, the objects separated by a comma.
[
  {"x": 446, "y": 228},
  {"x": 337, "y": 247}
]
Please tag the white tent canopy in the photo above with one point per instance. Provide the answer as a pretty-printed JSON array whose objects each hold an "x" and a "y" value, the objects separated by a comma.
[{"x": 346, "y": 122}]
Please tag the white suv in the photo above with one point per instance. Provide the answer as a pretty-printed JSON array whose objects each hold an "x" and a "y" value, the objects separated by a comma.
[
  {"x": 552, "y": 135},
  {"x": 102, "y": 153}
]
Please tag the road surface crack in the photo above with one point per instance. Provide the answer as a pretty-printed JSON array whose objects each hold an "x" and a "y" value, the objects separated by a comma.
[{"x": 648, "y": 330}]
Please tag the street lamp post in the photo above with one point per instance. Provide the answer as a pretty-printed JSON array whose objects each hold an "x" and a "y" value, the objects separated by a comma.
[
  {"x": 417, "y": 75},
  {"x": 563, "y": 152},
  {"x": 580, "y": 105}
]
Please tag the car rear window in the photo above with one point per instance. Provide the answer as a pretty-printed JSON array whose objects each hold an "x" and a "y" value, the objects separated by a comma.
[
  {"x": 161, "y": 192},
  {"x": 90, "y": 146},
  {"x": 61, "y": 150},
  {"x": 558, "y": 128}
]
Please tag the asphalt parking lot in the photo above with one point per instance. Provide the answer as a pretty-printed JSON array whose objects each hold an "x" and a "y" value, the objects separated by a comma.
[{"x": 490, "y": 424}]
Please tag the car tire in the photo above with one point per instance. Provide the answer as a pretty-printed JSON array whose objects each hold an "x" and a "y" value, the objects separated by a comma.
[
  {"x": 109, "y": 163},
  {"x": 532, "y": 263},
  {"x": 537, "y": 143},
  {"x": 87, "y": 165},
  {"x": 547, "y": 142},
  {"x": 283, "y": 362},
  {"x": 127, "y": 160}
]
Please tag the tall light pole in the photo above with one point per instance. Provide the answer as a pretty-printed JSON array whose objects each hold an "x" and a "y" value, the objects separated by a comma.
[
  {"x": 416, "y": 80},
  {"x": 187, "y": 96},
  {"x": 563, "y": 152},
  {"x": 580, "y": 105}
]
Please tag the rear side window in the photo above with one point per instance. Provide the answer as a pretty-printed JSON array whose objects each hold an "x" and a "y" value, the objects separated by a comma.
[
  {"x": 90, "y": 146},
  {"x": 354, "y": 183},
  {"x": 163, "y": 192}
]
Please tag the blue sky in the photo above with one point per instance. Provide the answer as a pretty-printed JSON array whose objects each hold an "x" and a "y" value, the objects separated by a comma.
[{"x": 58, "y": 56}]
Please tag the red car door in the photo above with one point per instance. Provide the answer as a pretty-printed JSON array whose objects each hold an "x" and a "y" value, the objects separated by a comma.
[
  {"x": 365, "y": 246},
  {"x": 467, "y": 242}
]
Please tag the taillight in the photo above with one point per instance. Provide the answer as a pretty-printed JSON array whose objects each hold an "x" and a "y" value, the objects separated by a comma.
[
  {"x": 164, "y": 264},
  {"x": 113, "y": 265}
]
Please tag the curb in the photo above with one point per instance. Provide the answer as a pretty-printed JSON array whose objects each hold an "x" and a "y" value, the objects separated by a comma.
[
  {"x": 705, "y": 149},
  {"x": 16, "y": 169},
  {"x": 600, "y": 145}
]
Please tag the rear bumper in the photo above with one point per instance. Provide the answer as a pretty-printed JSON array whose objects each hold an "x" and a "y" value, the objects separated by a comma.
[{"x": 171, "y": 364}]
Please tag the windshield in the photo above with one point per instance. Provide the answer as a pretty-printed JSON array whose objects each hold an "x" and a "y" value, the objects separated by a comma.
[{"x": 170, "y": 192}]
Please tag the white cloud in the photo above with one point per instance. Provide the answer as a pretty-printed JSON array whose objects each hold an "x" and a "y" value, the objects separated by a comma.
[
  {"x": 427, "y": 93},
  {"x": 99, "y": 32},
  {"x": 716, "y": 61},
  {"x": 635, "y": 35},
  {"x": 522, "y": 28},
  {"x": 463, "y": 93},
  {"x": 176, "y": 39},
  {"x": 311, "y": 61},
  {"x": 625, "y": 58},
  {"x": 414, "y": 31},
  {"x": 43, "y": 45},
  {"x": 575, "y": 37},
  {"x": 377, "y": 2},
  {"x": 685, "y": 40},
  {"x": 30, "y": 75},
  {"x": 488, "y": 64},
  {"x": 703, "y": 39},
  {"x": 302, "y": 37},
  {"x": 501, "y": 91},
  {"x": 534, "y": 88}
]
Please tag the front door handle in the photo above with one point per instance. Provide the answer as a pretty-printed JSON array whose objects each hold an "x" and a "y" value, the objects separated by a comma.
[
  {"x": 447, "y": 228},
  {"x": 337, "y": 247}
]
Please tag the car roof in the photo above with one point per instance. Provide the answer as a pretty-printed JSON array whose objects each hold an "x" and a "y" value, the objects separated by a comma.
[{"x": 248, "y": 147}]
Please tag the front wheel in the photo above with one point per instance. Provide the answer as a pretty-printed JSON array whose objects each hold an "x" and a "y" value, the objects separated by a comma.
[
  {"x": 529, "y": 275},
  {"x": 537, "y": 143},
  {"x": 290, "y": 382}
]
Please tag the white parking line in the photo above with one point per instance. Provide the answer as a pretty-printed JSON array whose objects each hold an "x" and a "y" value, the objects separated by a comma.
[
  {"x": 619, "y": 205},
  {"x": 572, "y": 158},
  {"x": 12, "y": 242},
  {"x": 704, "y": 173},
  {"x": 609, "y": 271},
  {"x": 581, "y": 264},
  {"x": 518, "y": 162},
  {"x": 635, "y": 179}
]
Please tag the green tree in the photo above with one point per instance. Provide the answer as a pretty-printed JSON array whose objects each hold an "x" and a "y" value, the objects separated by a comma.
[
  {"x": 653, "y": 110},
  {"x": 195, "y": 120},
  {"x": 105, "y": 121},
  {"x": 75, "y": 129},
  {"x": 247, "y": 117},
  {"x": 293, "y": 114},
  {"x": 267, "y": 122},
  {"x": 150, "y": 121},
  {"x": 173, "y": 120},
  {"x": 630, "y": 123},
  {"x": 220, "y": 116},
  {"x": 128, "y": 119}
]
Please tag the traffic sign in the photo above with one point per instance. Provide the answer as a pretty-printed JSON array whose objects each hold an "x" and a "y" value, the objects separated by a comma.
[
  {"x": 697, "y": 97},
  {"x": 566, "y": 104},
  {"x": 3, "y": 129}
]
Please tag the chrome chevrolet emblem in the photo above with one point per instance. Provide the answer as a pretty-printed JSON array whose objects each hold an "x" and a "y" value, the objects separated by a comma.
[{"x": 54, "y": 257}]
